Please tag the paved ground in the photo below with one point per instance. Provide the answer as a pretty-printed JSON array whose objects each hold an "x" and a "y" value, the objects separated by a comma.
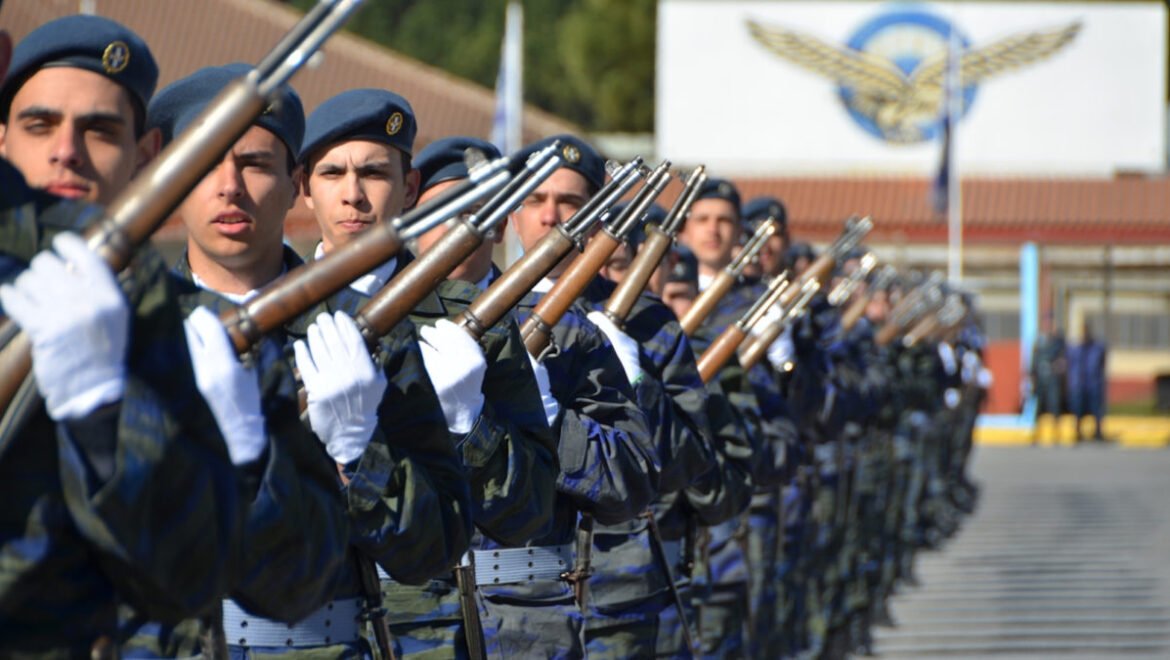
[{"x": 1068, "y": 553}]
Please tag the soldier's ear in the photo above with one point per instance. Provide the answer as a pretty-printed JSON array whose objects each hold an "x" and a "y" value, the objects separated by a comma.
[
  {"x": 413, "y": 183},
  {"x": 298, "y": 180},
  {"x": 147, "y": 148}
]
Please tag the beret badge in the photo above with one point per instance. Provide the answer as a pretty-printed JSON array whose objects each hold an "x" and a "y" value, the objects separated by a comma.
[
  {"x": 394, "y": 124},
  {"x": 116, "y": 57},
  {"x": 571, "y": 153}
]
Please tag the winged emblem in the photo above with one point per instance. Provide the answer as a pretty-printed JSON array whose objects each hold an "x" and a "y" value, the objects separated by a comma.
[{"x": 902, "y": 102}]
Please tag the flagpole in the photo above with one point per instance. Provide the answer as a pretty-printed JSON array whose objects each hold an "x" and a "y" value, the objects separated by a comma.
[
  {"x": 507, "y": 125},
  {"x": 954, "y": 181}
]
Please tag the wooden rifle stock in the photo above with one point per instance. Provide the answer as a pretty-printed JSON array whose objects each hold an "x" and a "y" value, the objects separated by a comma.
[
  {"x": 855, "y": 311},
  {"x": 402, "y": 294},
  {"x": 490, "y": 306},
  {"x": 300, "y": 289},
  {"x": 537, "y": 330},
  {"x": 732, "y": 337},
  {"x": 709, "y": 299},
  {"x": 622, "y": 300},
  {"x": 720, "y": 351},
  {"x": 706, "y": 302},
  {"x": 158, "y": 189},
  {"x": 658, "y": 241},
  {"x": 757, "y": 346}
]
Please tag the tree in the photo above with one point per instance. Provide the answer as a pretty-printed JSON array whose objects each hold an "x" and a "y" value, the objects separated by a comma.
[{"x": 588, "y": 61}]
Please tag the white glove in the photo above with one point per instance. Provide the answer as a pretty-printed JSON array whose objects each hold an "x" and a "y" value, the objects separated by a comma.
[
  {"x": 69, "y": 304},
  {"x": 343, "y": 384},
  {"x": 455, "y": 363},
  {"x": 231, "y": 390},
  {"x": 551, "y": 407},
  {"x": 623, "y": 344}
]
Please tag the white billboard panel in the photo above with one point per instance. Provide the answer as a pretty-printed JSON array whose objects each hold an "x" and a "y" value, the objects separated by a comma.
[{"x": 858, "y": 87}]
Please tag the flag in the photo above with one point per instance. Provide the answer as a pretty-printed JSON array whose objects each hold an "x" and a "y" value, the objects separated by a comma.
[
  {"x": 945, "y": 179},
  {"x": 508, "y": 118}
]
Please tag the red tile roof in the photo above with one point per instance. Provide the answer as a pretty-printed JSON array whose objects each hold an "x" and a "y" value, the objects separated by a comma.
[
  {"x": 186, "y": 35},
  {"x": 1121, "y": 210}
]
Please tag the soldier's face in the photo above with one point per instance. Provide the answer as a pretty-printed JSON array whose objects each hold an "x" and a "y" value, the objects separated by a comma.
[
  {"x": 352, "y": 185},
  {"x": 553, "y": 202},
  {"x": 679, "y": 296},
  {"x": 711, "y": 232},
  {"x": 475, "y": 267},
  {"x": 71, "y": 133},
  {"x": 236, "y": 213},
  {"x": 878, "y": 307},
  {"x": 772, "y": 256},
  {"x": 618, "y": 264}
]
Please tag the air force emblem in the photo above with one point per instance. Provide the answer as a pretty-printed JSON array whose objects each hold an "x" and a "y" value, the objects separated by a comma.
[
  {"x": 116, "y": 57},
  {"x": 891, "y": 74},
  {"x": 394, "y": 124}
]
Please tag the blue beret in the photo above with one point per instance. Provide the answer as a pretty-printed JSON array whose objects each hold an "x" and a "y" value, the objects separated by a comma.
[
  {"x": 85, "y": 42},
  {"x": 801, "y": 250},
  {"x": 361, "y": 114},
  {"x": 719, "y": 189},
  {"x": 685, "y": 267},
  {"x": 762, "y": 208},
  {"x": 579, "y": 156},
  {"x": 442, "y": 160},
  {"x": 180, "y": 102}
]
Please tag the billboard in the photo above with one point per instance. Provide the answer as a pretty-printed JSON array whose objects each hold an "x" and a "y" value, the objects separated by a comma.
[{"x": 778, "y": 87}]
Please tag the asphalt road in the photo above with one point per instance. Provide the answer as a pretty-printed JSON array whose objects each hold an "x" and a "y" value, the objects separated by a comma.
[{"x": 1067, "y": 554}]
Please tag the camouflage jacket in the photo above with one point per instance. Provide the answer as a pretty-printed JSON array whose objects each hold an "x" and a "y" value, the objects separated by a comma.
[
  {"x": 510, "y": 452},
  {"x": 407, "y": 496},
  {"x": 136, "y": 503},
  {"x": 608, "y": 464}
]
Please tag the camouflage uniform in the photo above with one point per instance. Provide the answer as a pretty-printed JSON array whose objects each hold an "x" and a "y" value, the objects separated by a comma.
[
  {"x": 747, "y": 595},
  {"x": 630, "y": 589},
  {"x": 136, "y": 503},
  {"x": 608, "y": 471},
  {"x": 407, "y": 496},
  {"x": 511, "y": 463}
]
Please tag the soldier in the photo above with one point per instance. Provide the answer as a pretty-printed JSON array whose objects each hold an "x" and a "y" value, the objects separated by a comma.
[
  {"x": 720, "y": 487},
  {"x": 608, "y": 466},
  {"x": 379, "y": 422},
  {"x": 121, "y": 488},
  {"x": 506, "y": 445},
  {"x": 741, "y": 597},
  {"x": 770, "y": 261}
]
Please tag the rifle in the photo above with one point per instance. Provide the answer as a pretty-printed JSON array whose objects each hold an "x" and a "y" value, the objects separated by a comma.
[
  {"x": 952, "y": 312},
  {"x": 705, "y": 303},
  {"x": 403, "y": 293},
  {"x": 725, "y": 345},
  {"x": 845, "y": 289},
  {"x": 158, "y": 189},
  {"x": 820, "y": 270},
  {"x": 491, "y": 305},
  {"x": 921, "y": 301},
  {"x": 296, "y": 292},
  {"x": 537, "y": 329},
  {"x": 658, "y": 241},
  {"x": 856, "y": 309}
]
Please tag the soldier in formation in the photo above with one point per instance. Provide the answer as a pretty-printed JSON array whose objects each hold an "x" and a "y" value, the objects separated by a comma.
[{"x": 661, "y": 433}]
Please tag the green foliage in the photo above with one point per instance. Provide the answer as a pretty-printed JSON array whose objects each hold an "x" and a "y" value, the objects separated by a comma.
[{"x": 588, "y": 61}]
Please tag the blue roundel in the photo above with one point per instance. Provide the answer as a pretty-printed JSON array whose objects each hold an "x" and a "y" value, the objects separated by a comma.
[{"x": 906, "y": 37}]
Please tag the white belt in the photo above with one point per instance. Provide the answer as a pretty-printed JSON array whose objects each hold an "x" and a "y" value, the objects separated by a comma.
[
  {"x": 335, "y": 623},
  {"x": 517, "y": 565}
]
